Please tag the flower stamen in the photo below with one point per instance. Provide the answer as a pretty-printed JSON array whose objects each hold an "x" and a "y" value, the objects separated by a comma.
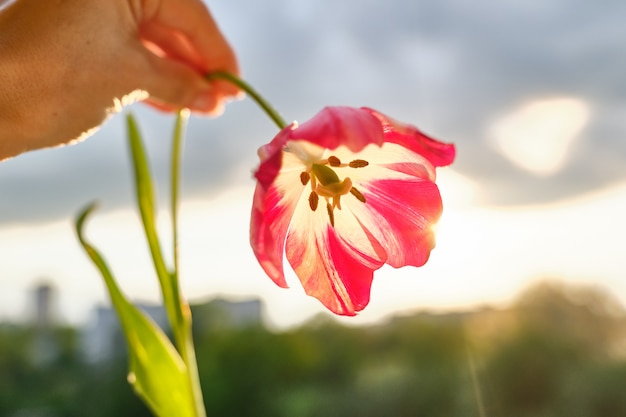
[
  {"x": 335, "y": 191},
  {"x": 326, "y": 183},
  {"x": 313, "y": 200},
  {"x": 357, "y": 194},
  {"x": 305, "y": 177},
  {"x": 333, "y": 161},
  {"x": 358, "y": 163},
  {"x": 331, "y": 214}
]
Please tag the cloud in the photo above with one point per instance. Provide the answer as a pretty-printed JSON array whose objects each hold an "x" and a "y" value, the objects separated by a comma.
[
  {"x": 540, "y": 135},
  {"x": 451, "y": 67}
]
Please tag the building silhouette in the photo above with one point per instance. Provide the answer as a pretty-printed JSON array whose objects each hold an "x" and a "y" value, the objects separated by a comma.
[
  {"x": 44, "y": 348},
  {"x": 103, "y": 339}
]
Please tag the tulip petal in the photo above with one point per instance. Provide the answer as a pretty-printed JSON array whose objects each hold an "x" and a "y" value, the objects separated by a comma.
[
  {"x": 271, "y": 156},
  {"x": 438, "y": 153},
  {"x": 400, "y": 214},
  {"x": 402, "y": 201},
  {"x": 274, "y": 202},
  {"x": 341, "y": 126},
  {"x": 269, "y": 222},
  {"x": 329, "y": 269}
]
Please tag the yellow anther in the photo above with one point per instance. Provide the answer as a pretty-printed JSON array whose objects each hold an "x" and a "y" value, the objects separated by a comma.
[
  {"x": 358, "y": 163},
  {"x": 357, "y": 194},
  {"x": 333, "y": 161},
  {"x": 326, "y": 183},
  {"x": 305, "y": 177},
  {"x": 313, "y": 200},
  {"x": 331, "y": 214}
]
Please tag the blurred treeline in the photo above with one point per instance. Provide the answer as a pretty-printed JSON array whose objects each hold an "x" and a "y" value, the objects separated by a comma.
[{"x": 556, "y": 351}]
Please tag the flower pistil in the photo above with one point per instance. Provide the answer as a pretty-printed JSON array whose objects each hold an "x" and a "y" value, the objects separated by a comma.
[{"x": 326, "y": 183}]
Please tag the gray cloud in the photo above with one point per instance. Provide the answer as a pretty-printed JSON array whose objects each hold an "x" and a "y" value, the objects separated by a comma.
[{"x": 449, "y": 67}]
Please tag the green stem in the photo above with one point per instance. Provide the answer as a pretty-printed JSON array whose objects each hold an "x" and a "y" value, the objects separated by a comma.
[
  {"x": 175, "y": 179},
  {"x": 185, "y": 338},
  {"x": 264, "y": 104}
]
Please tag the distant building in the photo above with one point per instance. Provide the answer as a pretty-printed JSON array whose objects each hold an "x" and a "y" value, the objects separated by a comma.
[
  {"x": 44, "y": 348},
  {"x": 43, "y": 296},
  {"x": 103, "y": 338},
  {"x": 224, "y": 314}
]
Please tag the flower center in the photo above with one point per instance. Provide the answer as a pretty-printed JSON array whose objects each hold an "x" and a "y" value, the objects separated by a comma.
[{"x": 326, "y": 183}]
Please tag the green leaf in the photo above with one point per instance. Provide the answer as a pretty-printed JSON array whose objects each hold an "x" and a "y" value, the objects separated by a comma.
[
  {"x": 145, "y": 200},
  {"x": 157, "y": 372}
]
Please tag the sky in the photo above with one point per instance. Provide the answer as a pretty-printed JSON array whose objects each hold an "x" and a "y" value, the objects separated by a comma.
[{"x": 532, "y": 93}]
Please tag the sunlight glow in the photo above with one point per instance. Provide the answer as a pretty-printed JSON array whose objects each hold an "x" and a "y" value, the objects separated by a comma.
[
  {"x": 456, "y": 189},
  {"x": 6, "y": 3},
  {"x": 483, "y": 255},
  {"x": 539, "y": 135}
]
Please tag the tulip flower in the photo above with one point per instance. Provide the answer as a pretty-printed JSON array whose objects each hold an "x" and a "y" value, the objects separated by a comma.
[{"x": 341, "y": 195}]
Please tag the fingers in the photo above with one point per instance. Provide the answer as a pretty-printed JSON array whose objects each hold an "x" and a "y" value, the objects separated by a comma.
[
  {"x": 173, "y": 85},
  {"x": 210, "y": 50},
  {"x": 171, "y": 44}
]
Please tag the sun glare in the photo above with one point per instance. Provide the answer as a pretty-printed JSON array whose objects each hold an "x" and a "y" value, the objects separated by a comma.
[{"x": 539, "y": 135}]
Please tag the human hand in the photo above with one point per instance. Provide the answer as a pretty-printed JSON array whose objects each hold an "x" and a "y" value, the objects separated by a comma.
[{"x": 68, "y": 64}]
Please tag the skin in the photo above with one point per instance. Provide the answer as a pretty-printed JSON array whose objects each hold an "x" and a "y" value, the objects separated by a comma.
[{"x": 66, "y": 65}]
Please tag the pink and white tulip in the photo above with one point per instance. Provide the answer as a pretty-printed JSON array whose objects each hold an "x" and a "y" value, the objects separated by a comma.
[{"x": 341, "y": 195}]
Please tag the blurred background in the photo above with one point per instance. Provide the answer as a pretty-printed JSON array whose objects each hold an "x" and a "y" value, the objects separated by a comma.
[{"x": 529, "y": 262}]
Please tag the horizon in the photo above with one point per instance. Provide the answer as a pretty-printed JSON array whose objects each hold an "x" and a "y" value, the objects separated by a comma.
[{"x": 156, "y": 310}]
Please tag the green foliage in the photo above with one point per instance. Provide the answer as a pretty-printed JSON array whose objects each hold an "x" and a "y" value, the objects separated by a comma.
[
  {"x": 164, "y": 377},
  {"x": 28, "y": 383},
  {"x": 147, "y": 209},
  {"x": 104, "y": 393},
  {"x": 527, "y": 373},
  {"x": 157, "y": 372},
  {"x": 410, "y": 366},
  {"x": 598, "y": 392}
]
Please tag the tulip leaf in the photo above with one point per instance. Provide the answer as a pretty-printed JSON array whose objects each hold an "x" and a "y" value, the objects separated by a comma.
[
  {"x": 146, "y": 203},
  {"x": 156, "y": 371}
]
